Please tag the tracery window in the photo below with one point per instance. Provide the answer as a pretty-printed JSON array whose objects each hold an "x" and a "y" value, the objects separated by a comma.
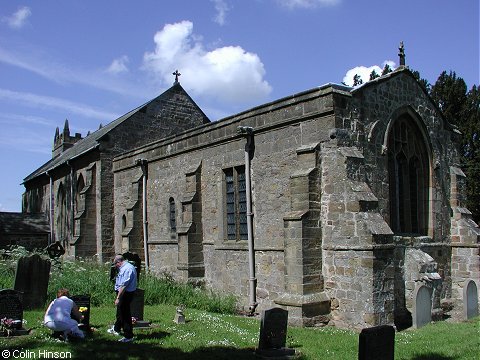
[
  {"x": 236, "y": 203},
  {"x": 408, "y": 168}
]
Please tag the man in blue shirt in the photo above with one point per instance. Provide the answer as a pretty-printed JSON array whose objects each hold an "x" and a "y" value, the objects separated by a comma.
[{"x": 125, "y": 286}]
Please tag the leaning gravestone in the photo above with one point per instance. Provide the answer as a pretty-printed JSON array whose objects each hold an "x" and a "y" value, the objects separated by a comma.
[
  {"x": 422, "y": 308},
  {"x": 273, "y": 335},
  {"x": 11, "y": 308},
  {"x": 377, "y": 343},
  {"x": 470, "y": 299},
  {"x": 83, "y": 304},
  {"x": 31, "y": 278}
]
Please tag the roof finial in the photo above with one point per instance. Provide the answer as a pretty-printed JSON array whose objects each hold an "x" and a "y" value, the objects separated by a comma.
[
  {"x": 401, "y": 53},
  {"x": 177, "y": 74}
]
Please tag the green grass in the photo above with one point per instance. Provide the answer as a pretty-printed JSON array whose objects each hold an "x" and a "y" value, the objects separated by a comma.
[
  {"x": 212, "y": 330},
  {"x": 87, "y": 276},
  {"x": 215, "y": 336}
]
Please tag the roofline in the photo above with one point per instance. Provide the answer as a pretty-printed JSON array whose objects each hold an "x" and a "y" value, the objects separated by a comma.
[{"x": 61, "y": 164}]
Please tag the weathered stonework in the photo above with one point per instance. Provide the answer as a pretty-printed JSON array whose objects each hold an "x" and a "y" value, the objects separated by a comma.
[
  {"x": 337, "y": 239},
  {"x": 75, "y": 189}
]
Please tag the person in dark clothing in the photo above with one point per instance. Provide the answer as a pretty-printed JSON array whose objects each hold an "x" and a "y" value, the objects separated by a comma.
[{"x": 125, "y": 286}]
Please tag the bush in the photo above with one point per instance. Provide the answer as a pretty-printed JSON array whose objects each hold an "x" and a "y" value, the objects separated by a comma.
[{"x": 87, "y": 276}]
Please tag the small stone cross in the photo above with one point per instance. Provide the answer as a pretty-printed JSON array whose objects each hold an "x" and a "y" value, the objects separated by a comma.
[{"x": 177, "y": 74}]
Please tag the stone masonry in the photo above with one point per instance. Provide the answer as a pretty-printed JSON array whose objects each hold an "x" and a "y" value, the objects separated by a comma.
[
  {"x": 357, "y": 200},
  {"x": 326, "y": 247}
]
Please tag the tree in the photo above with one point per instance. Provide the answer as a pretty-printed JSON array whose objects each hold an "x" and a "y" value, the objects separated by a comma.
[
  {"x": 462, "y": 109},
  {"x": 386, "y": 69},
  {"x": 471, "y": 149},
  {"x": 424, "y": 82},
  {"x": 373, "y": 75},
  {"x": 357, "y": 80},
  {"x": 450, "y": 93}
]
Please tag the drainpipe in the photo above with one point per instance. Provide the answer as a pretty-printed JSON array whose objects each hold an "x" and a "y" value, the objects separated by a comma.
[
  {"x": 249, "y": 152},
  {"x": 50, "y": 204},
  {"x": 143, "y": 164}
]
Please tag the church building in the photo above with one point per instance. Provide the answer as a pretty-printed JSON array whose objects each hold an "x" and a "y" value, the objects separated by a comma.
[{"x": 339, "y": 204}]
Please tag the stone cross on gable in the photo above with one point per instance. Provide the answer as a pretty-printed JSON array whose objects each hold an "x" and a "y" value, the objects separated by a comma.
[
  {"x": 401, "y": 53},
  {"x": 177, "y": 74}
]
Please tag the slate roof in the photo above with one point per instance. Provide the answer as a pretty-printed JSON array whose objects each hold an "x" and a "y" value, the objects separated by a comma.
[
  {"x": 82, "y": 146},
  {"x": 91, "y": 141},
  {"x": 19, "y": 223}
]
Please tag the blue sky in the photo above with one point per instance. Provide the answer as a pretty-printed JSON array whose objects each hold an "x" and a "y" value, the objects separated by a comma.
[{"x": 92, "y": 61}]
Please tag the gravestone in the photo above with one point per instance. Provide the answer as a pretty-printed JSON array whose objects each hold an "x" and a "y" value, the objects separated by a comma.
[
  {"x": 273, "y": 335},
  {"x": 137, "y": 308},
  {"x": 470, "y": 299},
  {"x": 31, "y": 278},
  {"x": 83, "y": 303},
  {"x": 11, "y": 307},
  {"x": 422, "y": 307},
  {"x": 377, "y": 343},
  {"x": 179, "y": 315}
]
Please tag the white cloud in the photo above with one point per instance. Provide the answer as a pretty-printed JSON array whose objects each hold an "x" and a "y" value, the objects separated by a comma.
[
  {"x": 18, "y": 19},
  {"x": 364, "y": 72},
  {"x": 119, "y": 65},
  {"x": 228, "y": 73},
  {"x": 221, "y": 7},
  {"x": 291, "y": 4},
  {"x": 33, "y": 100}
]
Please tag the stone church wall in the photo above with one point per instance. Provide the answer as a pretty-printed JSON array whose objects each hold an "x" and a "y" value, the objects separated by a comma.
[
  {"x": 320, "y": 191},
  {"x": 281, "y": 128},
  {"x": 87, "y": 226}
]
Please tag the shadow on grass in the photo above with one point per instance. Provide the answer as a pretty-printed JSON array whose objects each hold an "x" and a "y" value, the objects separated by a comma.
[
  {"x": 102, "y": 348},
  {"x": 433, "y": 356},
  {"x": 146, "y": 346}
]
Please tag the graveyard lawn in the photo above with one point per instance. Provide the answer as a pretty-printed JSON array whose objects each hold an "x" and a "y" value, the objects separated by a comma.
[{"x": 215, "y": 336}]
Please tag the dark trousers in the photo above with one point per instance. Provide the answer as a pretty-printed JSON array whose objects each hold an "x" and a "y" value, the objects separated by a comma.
[{"x": 124, "y": 315}]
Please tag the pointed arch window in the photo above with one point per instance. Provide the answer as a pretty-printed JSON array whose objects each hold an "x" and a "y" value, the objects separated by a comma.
[
  {"x": 61, "y": 221},
  {"x": 124, "y": 223},
  {"x": 408, "y": 170}
]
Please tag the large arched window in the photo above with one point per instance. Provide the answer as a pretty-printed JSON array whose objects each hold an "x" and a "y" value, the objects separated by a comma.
[{"x": 408, "y": 170}]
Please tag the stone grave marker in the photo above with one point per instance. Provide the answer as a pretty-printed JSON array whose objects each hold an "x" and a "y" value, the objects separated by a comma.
[
  {"x": 31, "y": 278},
  {"x": 273, "y": 335},
  {"x": 11, "y": 307},
  {"x": 179, "y": 315},
  {"x": 83, "y": 303},
  {"x": 377, "y": 343},
  {"x": 470, "y": 299},
  {"x": 137, "y": 308},
  {"x": 422, "y": 308}
]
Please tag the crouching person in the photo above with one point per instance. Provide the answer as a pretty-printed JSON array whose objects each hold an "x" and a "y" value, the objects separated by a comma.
[{"x": 58, "y": 316}]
